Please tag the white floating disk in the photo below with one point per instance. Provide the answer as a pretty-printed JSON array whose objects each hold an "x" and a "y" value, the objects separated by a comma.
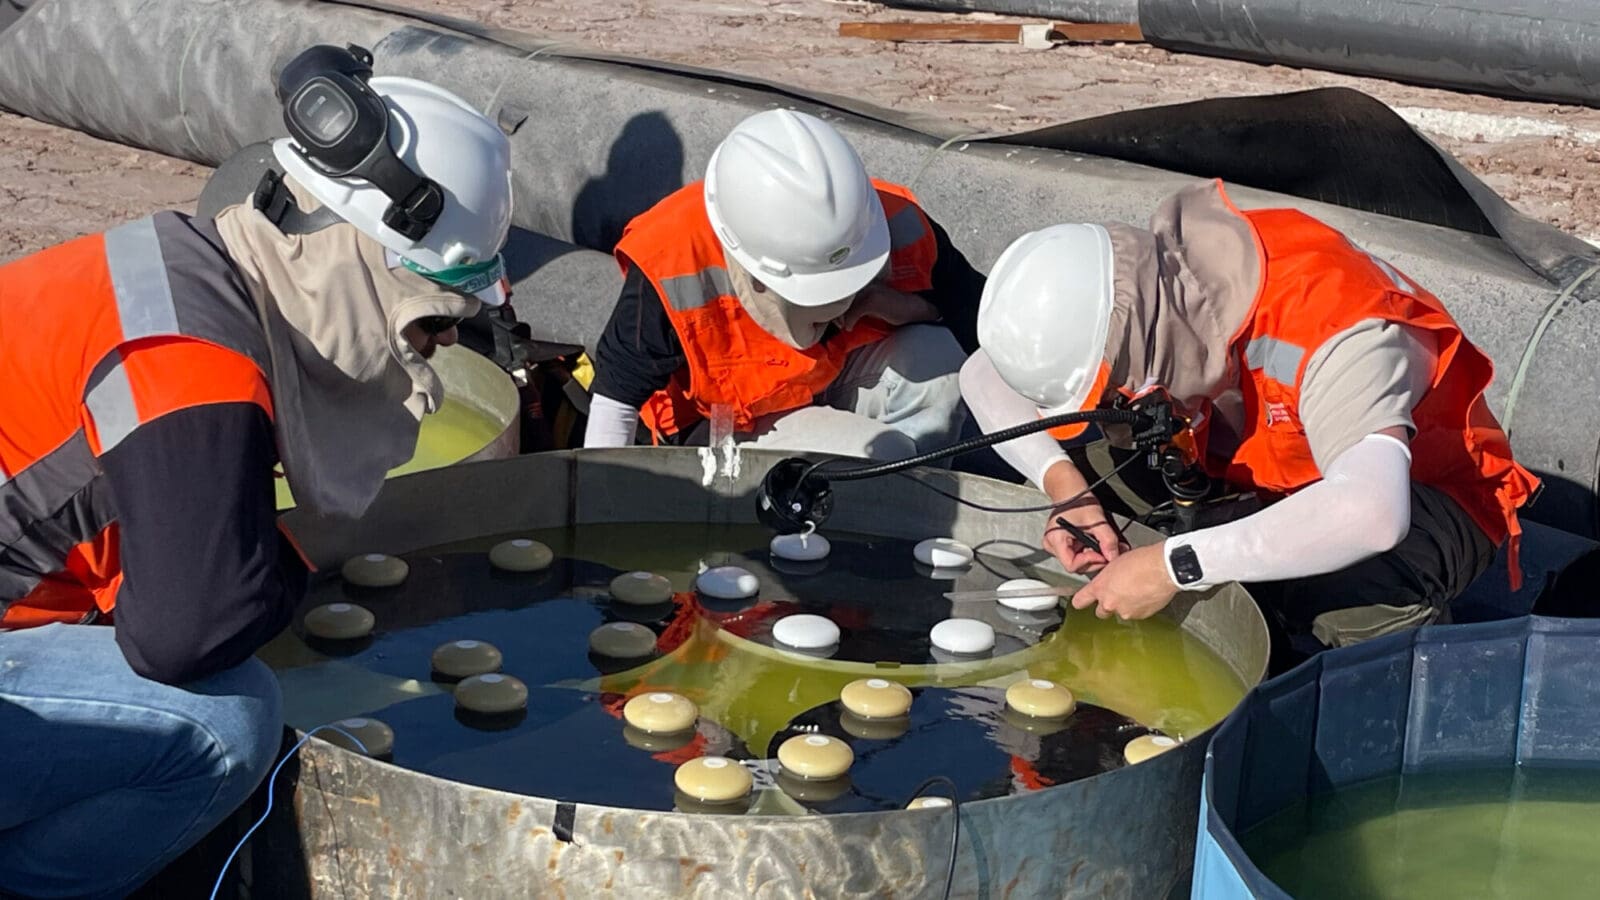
[
  {"x": 728, "y": 583},
  {"x": 943, "y": 553},
  {"x": 805, "y": 631},
  {"x": 963, "y": 636},
  {"x": 800, "y": 547},
  {"x": 1029, "y": 604}
]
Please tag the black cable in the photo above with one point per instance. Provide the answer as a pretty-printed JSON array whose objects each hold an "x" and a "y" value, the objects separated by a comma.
[
  {"x": 955, "y": 824},
  {"x": 1097, "y": 416},
  {"x": 1043, "y": 507}
]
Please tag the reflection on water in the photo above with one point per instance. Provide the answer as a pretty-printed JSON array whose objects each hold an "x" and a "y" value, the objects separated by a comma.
[{"x": 571, "y": 743}]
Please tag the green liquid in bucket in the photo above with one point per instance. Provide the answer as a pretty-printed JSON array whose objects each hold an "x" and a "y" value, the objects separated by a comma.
[
  {"x": 1504, "y": 833},
  {"x": 1150, "y": 672},
  {"x": 446, "y": 437}
]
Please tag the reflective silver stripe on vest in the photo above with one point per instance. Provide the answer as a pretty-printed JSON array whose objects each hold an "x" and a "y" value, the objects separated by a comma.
[
  {"x": 139, "y": 277},
  {"x": 1280, "y": 360},
  {"x": 110, "y": 403},
  {"x": 687, "y": 292},
  {"x": 906, "y": 228},
  {"x": 1401, "y": 283},
  {"x": 47, "y": 509}
]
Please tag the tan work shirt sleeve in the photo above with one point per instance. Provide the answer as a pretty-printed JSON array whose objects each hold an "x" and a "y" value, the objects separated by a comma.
[{"x": 1361, "y": 381}]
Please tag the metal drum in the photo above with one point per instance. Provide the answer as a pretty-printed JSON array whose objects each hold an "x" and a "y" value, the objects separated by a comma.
[{"x": 362, "y": 827}]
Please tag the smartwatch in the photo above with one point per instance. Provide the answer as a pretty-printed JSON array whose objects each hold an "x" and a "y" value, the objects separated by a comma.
[{"x": 1185, "y": 565}]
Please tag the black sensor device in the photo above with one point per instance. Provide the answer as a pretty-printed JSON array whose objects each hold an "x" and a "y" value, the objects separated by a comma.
[{"x": 341, "y": 127}]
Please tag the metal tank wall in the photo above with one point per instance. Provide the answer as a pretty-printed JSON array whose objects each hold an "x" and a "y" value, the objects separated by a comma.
[
  {"x": 359, "y": 827},
  {"x": 597, "y": 140}
]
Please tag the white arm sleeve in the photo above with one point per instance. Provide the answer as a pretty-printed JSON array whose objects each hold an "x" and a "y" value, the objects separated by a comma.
[
  {"x": 611, "y": 423},
  {"x": 1360, "y": 508},
  {"x": 995, "y": 405}
]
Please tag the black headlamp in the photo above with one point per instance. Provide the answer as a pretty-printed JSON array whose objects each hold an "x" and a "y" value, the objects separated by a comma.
[{"x": 341, "y": 127}]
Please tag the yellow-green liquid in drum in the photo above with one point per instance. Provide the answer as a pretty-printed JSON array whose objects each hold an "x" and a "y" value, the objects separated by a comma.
[
  {"x": 446, "y": 437},
  {"x": 1150, "y": 671},
  {"x": 1505, "y": 833}
]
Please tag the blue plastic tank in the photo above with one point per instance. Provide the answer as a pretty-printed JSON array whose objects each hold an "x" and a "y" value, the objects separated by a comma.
[{"x": 1517, "y": 692}]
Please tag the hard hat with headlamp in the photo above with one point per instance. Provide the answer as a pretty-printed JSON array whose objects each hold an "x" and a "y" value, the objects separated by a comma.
[
  {"x": 793, "y": 205},
  {"x": 406, "y": 162}
]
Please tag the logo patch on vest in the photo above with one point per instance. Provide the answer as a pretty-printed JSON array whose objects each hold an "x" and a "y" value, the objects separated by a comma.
[{"x": 1278, "y": 414}]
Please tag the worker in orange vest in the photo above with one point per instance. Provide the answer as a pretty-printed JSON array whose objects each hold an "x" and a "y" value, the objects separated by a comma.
[
  {"x": 789, "y": 300},
  {"x": 155, "y": 375},
  {"x": 1314, "y": 371}
]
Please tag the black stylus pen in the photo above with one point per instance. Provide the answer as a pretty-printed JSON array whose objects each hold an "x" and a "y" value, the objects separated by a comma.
[{"x": 1083, "y": 537}]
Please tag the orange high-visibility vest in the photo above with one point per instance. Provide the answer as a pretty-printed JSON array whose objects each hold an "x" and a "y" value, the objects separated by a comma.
[
  {"x": 732, "y": 361},
  {"x": 1315, "y": 284},
  {"x": 99, "y": 336}
]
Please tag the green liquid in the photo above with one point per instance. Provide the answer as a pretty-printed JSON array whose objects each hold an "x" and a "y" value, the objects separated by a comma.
[
  {"x": 1505, "y": 833},
  {"x": 446, "y": 437}
]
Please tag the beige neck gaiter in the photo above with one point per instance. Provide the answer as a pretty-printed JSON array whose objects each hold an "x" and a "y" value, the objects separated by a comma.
[
  {"x": 798, "y": 326},
  {"x": 349, "y": 391},
  {"x": 1182, "y": 291}
]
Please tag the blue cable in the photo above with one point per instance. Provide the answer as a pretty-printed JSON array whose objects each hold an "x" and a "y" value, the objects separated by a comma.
[{"x": 272, "y": 786}]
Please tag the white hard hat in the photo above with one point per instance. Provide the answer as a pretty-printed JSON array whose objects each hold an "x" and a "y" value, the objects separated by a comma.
[
  {"x": 1045, "y": 312},
  {"x": 440, "y": 137},
  {"x": 792, "y": 204}
]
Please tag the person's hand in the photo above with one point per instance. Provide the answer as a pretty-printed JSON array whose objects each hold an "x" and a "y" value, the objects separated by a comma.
[
  {"x": 892, "y": 307},
  {"x": 1135, "y": 585},
  {"x": 1075, "y": 556}
]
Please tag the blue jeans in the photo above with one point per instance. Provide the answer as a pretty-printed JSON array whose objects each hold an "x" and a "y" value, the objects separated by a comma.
[{"x": 107, "y": 776}]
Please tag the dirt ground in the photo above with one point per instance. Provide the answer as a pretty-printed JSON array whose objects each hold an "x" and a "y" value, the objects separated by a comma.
[{"x": 1544, "y": 158}]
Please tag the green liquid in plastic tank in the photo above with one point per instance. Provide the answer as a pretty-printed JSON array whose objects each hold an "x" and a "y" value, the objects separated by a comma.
[
  {"x": 1504, "y": 833},
  {"x": 448, "y": 436}
]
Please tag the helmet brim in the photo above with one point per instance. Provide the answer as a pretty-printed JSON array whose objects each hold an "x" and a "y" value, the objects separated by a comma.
[
  {"x": 1089, "y": 400},
  {"x": 822, "y": 288}
]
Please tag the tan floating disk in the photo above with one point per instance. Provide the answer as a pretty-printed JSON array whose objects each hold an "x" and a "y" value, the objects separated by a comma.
[
  {"x": 521, "y": 555},
  {"x": 713, "y": 779},
  {"x": 929, "y": 803},
  {"x": 739, "y": 806},
  {"x": 655, "y": 743},
  {"x": 491, "y": 694},
  {"x": 1035, "y": 725},
  {"x": 641, "y": 589},
  {"x": 813, "y": 790},
  {"x": 465, "y": 658},
  {"x": 660, "y": 712},
  {"x": 874, "y": 729},
  {"x": 943, "y": 553},
  {"x": 876, "y": 698},
  {"x": 1041, "y": 699},
  {"x": 1147, "y": 746},
  {"x": 377, "y": 570},
  {"x": 622, "y": 640},
  {"x": 816, "y": 756},
  {"x": 376, "y": 737},
  {"x": 339, "y": 621}
]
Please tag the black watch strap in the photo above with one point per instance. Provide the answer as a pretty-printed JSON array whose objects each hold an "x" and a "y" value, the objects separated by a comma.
[{"x": 1185, "y": 565}]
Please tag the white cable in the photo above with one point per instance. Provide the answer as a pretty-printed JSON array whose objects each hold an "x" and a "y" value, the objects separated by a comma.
[
  {"x": 1360, "y": 508},
  {"x": 271, "y": 786}
]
